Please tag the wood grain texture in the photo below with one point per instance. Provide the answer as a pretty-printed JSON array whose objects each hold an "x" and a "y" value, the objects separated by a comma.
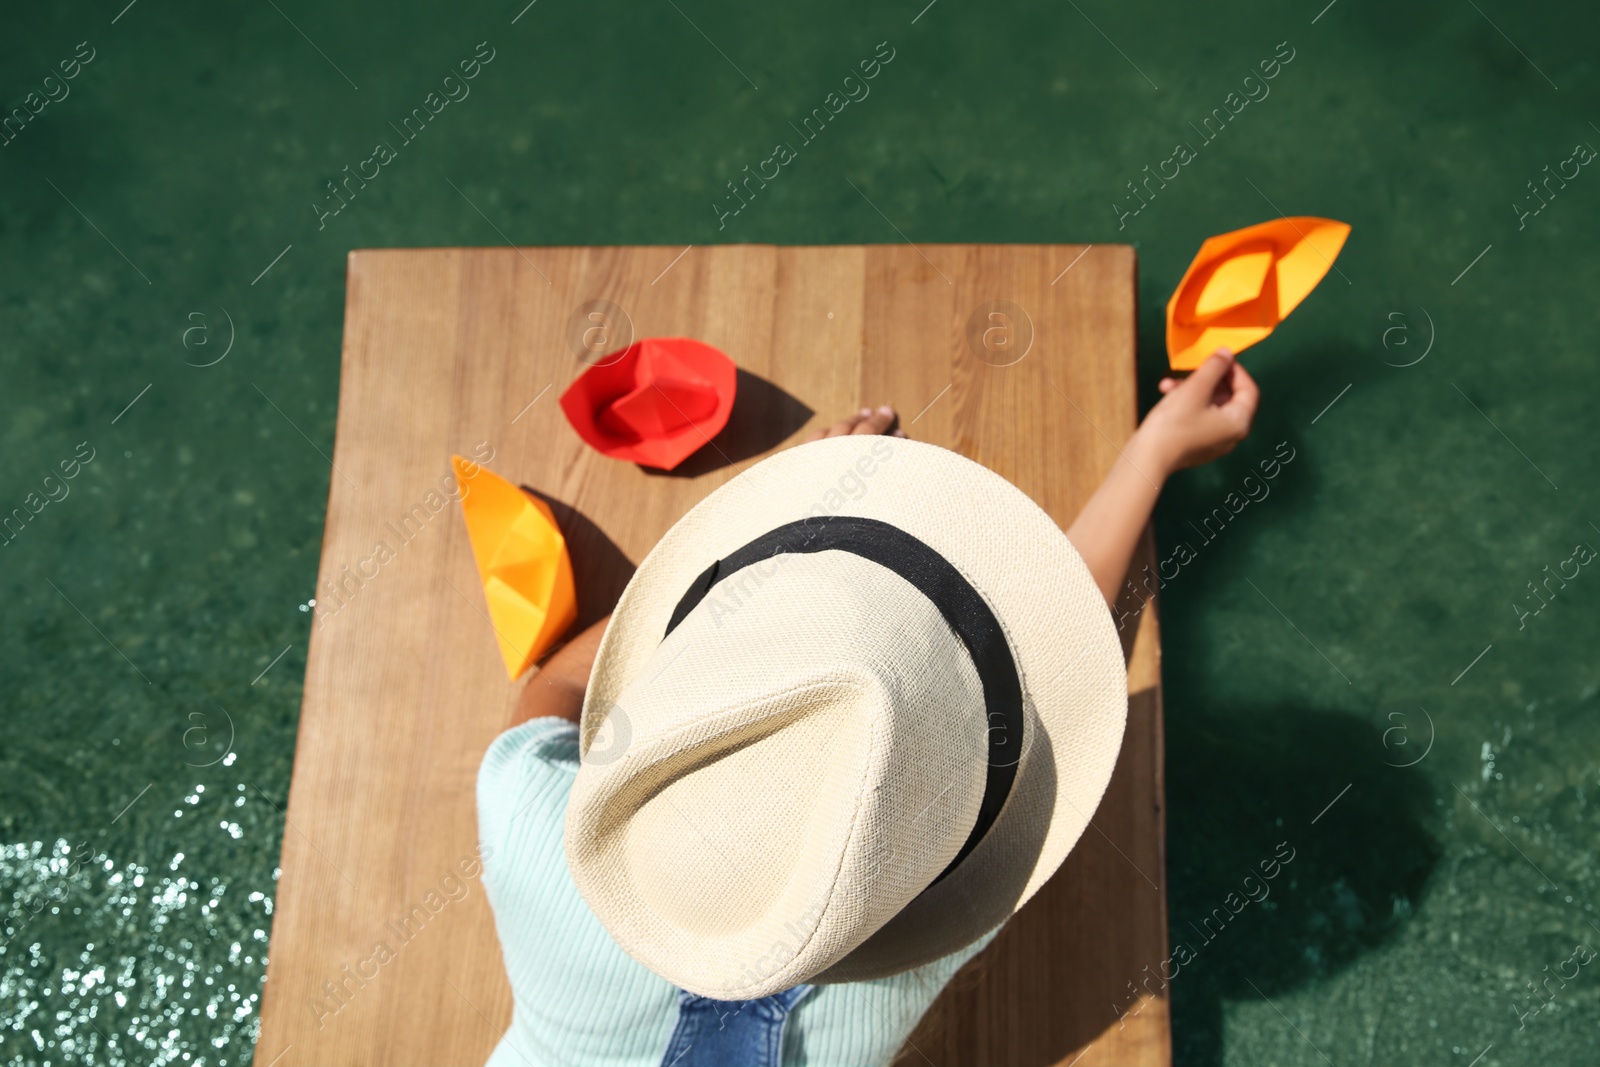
[{"x": 381, "y": 952}]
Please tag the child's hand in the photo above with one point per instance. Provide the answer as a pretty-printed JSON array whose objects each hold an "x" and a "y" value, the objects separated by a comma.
[{"x": 1201, "y": 417}]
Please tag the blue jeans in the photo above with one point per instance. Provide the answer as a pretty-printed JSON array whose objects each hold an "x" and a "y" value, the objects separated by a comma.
[{"x": 731, "y": 1033}]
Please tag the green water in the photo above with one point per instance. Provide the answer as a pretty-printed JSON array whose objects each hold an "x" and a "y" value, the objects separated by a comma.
[{"x": 154, "y": 639}]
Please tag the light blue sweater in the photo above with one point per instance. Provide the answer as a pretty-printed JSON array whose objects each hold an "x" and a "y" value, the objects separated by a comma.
[{"x": 579, "y": 998}]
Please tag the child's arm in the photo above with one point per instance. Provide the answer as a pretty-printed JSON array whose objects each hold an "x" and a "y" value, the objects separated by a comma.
[
  {"x": 1200, "y": 418},
  {"x": 556, "y": 688}
]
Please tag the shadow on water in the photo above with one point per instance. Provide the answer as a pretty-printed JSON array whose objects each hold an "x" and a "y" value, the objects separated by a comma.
[
  {"x": 1250, "y": 786},
  {"x": 1251, "y": 783}
]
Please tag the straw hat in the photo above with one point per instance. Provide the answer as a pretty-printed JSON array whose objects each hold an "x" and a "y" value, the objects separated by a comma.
[{"x": 849, "y": 715}]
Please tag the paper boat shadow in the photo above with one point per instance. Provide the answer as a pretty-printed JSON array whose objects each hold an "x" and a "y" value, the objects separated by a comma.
[
  {"x": 600, "y": 570},
  {"x": 763, "y": 417}
]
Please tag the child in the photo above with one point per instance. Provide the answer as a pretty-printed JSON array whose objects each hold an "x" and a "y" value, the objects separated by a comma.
[{"x": 758, "y": 816}]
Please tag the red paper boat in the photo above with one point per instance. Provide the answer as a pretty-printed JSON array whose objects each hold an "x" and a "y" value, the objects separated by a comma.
[{"x": 656, "y": 403}]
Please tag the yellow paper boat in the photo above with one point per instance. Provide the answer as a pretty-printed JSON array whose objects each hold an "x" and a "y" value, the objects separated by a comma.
[
  {"x": 1242, "y": 284},
  {"x": 522, "y": 560}
]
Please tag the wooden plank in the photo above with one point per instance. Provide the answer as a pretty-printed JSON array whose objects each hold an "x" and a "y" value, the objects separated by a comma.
[{"x": 465, "y": 351}]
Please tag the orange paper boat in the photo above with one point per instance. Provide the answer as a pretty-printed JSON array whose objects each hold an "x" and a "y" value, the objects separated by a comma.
[
  {"x": 1242, "y": 284},
  {"x": 656, "y": 402},
  {"x": 522, "y": 560}
]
